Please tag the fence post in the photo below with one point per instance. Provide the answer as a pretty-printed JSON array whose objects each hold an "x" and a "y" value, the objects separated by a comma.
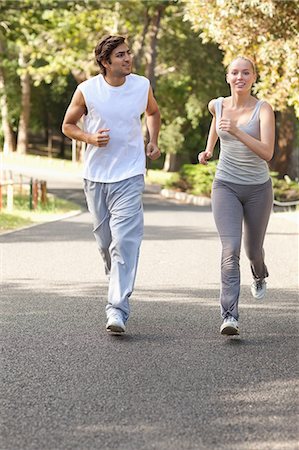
[
  {"x": 43, "y": 187},
  {"x": 31, "y": 194},
  {"x": 9, "y": 202},
  {"x": 35, "y": 194}
]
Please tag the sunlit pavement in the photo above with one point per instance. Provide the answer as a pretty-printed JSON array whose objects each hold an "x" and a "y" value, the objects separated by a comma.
[{"x": 172, "y": 382}]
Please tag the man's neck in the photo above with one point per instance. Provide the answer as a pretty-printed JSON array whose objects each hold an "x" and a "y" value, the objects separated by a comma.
[{"x": 114, "y": 81}]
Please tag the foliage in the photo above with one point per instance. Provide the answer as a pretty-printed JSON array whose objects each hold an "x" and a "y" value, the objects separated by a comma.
[
  {"x": 285, "y": 189},
  {"x": 52, "y": 97},
  {"x": 266, "y": 30},
  {"x": 172, "y": 137},
  {"x": 22, "y": 215},
  {"x": 12, "y": 221},
  {"x": 188, "y": 74},
  {"x": 162, "y": 178},
  {"x": 56, "y": 40},
  {"x": 53, "y": 204},
  {"x": 197, "y": 179}
]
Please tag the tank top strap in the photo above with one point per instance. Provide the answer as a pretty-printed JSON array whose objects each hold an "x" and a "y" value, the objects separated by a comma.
[
  {"x": 218, "y": 107},
  {"x": 257, "y": 108}
]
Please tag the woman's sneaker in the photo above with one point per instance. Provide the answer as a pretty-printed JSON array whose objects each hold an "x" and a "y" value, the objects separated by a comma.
[
  {"x": 230, "y": 326},
  {"x": 115, "y": 323},
  {"x": 258, "y": 288}
]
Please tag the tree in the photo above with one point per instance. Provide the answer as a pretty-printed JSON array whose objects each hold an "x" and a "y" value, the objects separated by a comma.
[
  {"x": 188, "y": 73},
  {"x": 49, "y": 40},
  {"x": 41, "y": 35},
  {"x": 8, "y": 135},
  {"x": 268, "y": 31}
]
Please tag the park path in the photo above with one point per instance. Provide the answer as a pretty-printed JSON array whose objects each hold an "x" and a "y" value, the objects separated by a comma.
[{"x": 172, "y": 382}]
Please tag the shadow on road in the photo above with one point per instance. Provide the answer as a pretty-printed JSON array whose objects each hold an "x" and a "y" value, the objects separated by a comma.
[
  {"x": 171, "y": 383},
  {"x": 82, "y": 231}
]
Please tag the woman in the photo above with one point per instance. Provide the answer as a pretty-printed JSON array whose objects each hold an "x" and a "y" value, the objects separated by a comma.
[{"x": 242, "y": 189}]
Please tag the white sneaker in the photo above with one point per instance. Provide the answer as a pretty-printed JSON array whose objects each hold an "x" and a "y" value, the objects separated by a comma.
[
  {"x": 230, "y": 326},
  {"x": 258, "y": 288},
  {"x": 115, "y": 323}
]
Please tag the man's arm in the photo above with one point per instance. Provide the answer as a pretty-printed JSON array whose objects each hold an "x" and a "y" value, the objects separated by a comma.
[
  {"x": 75, "y": 111},
  {"x": 153, "y": 123}
]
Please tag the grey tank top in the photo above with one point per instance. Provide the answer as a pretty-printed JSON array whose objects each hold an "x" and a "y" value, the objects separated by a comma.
[{"x": 237, "y": 163}]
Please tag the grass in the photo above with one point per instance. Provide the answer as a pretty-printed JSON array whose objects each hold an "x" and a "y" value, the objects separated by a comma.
[
  {"x": 12, "y": 221},
  {"x": 22, "y": 216},
  {"x": 164, "y": 179}
]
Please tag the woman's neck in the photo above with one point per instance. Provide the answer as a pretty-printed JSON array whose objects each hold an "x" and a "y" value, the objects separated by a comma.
[{"x": 241, "y": 101}]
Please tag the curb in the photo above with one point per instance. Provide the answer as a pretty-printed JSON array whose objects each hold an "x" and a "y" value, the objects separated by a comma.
[
  {"x": 182, "y": 197},
  {"x": 186, "y": 198}
]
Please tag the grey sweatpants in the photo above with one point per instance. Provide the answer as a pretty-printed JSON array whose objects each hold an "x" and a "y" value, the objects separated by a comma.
[
  {"x": 117, "y": 213},
  {"x": 232, "y": 205}
]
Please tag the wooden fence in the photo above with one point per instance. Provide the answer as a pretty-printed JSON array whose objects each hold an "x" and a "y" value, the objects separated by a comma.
[{"x": 35, "y": 189}]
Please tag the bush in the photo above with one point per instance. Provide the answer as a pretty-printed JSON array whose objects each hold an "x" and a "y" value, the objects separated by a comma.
[
  {"x": 162, "y": 178},
  {"x": 285, "y": 190},
  {"x": 197, "y": 179}
]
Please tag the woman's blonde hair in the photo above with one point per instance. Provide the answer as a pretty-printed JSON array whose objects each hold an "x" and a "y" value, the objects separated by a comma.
[{"x": 245, "y": 58}]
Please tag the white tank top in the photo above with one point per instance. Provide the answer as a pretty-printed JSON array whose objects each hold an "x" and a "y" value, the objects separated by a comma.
[
  {"x": 237, "y": 163},
  {"x": 119, "y": 109}
]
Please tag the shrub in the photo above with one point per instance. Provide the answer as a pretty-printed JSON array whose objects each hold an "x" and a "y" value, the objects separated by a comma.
[
  {"x": 285, "y": 190},
  {"x": 196, "y": 179}
]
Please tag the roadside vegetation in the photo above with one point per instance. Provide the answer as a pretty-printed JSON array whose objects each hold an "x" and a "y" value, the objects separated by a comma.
[
  {"x": 21, "y": 214},
  {"x": 197, "y": 179}
]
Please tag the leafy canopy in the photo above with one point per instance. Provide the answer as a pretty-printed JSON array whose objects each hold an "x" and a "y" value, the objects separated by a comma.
[{"x": 266, "y": 30}]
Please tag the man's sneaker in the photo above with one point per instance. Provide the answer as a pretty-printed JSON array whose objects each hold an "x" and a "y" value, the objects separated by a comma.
[
  {"x": 230, "y": 326},
  {"x": 258, "y": 288},
  {"x": 115, "y": 323}
]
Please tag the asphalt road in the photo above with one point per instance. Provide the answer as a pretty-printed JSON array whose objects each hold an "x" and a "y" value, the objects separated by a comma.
[{"x": 172, "y": 382}]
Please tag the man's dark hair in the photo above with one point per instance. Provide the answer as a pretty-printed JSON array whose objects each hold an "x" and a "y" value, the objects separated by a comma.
[{"x": 105, "y": 47}]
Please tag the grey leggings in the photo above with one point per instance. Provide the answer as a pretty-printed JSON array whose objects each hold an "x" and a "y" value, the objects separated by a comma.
[{"x": 232, "y": 204}]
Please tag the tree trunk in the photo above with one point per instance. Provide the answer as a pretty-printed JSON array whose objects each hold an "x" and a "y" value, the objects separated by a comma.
[
  {"x": 138, "y": 55},
  {"x": 172, "y": 162},
  {"x": 9, "y": 138},
  {"x": 152, "y": 53},
  {"x": 62, "y": 147},
  {"x": 282, "y": 161},
  {"x": 22, "y": 143}
]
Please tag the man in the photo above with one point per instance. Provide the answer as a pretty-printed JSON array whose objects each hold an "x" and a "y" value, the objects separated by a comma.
[{"x": 111, "y": 104}]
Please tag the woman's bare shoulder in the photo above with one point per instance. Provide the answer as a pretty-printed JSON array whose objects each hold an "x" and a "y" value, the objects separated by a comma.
[
  {"x": 266, "y": 106},
  {"x": 211, "y": 106}
]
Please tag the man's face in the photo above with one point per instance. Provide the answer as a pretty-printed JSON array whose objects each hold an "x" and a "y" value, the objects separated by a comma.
[{"x": 120, "y": 62}]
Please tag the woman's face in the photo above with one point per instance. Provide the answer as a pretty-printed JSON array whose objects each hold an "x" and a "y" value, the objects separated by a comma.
[{"x": 240, "y": 76}]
